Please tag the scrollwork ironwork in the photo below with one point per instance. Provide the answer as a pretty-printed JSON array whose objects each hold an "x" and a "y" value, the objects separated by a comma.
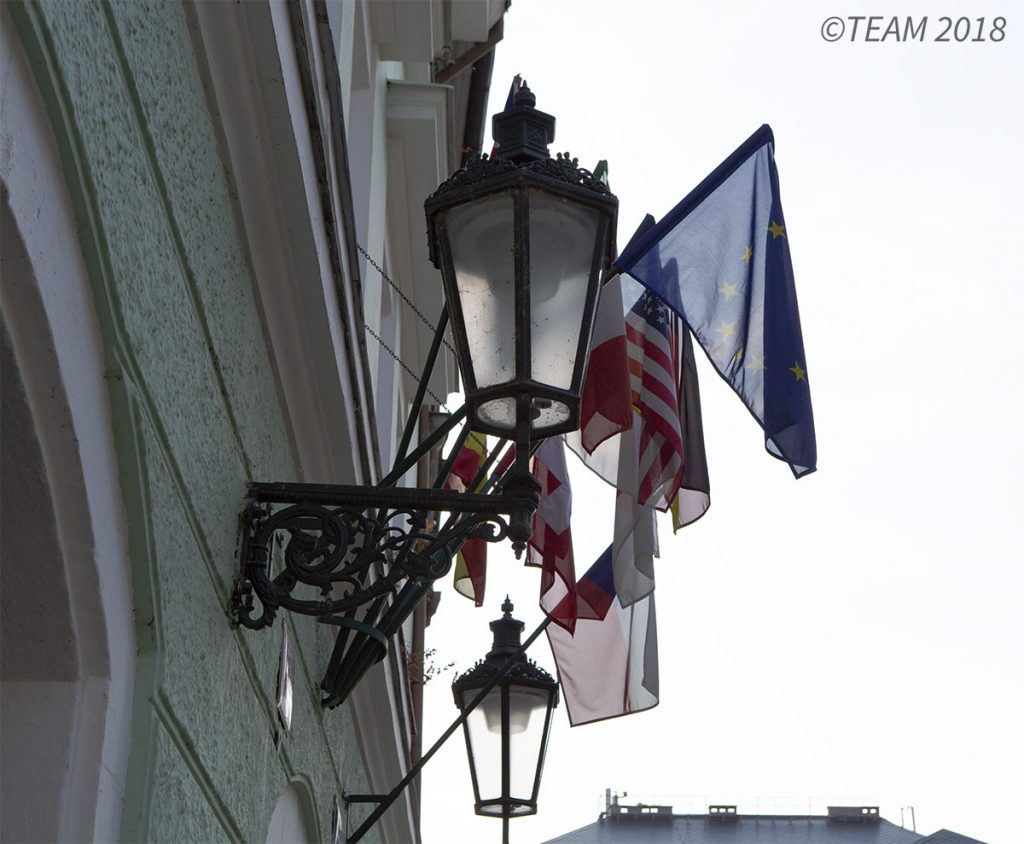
[
  {"x": 522, "y": 670},
  {"x": 359, "y": 559},
  {"x": 479, "y": 168},
  {"x": 566, "y": 169},
  {"x": 563, "y": 167},
  {"x": 333, "y": 550}
]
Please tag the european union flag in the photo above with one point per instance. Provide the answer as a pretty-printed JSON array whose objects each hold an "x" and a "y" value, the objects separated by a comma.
[{"x": 720, "y": 259}]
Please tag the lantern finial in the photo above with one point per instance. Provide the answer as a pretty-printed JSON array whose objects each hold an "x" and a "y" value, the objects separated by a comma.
[{"x": 522, "y": 133}]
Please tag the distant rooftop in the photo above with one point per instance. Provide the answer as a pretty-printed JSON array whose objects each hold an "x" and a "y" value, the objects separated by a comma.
[{"x": 723, "y": 824}]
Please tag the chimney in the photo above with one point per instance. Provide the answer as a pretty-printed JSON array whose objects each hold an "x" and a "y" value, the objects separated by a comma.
[
  {"x": 615, "y": 811},
  {"x": 722, "y": 813},
  {"x": 853, "y": 814}
]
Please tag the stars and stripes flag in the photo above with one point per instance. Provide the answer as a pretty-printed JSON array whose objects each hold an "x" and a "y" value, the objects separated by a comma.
[
  {"x": 640, "y": 405},
  {"x": 720, "y": 260},
  {"x": 642, "y": 371},
  {"x": 692, "y": 488},
  {"x": 652, "y": 346}
]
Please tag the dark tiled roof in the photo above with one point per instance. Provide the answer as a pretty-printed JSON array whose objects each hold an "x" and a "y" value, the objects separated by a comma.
[
  {"x": 745, "y": 829},
  {"x": 947, "y": 836}
]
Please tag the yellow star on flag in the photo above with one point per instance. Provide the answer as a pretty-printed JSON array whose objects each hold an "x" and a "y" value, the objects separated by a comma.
[
  {"x": 798, "y": 371},
  {"x": 729, "y": 290},
  {"x": 757, "y": 363},
  {"x": 727, "y": 329},
  {"x": 738, "y": 356},
  {"x": 748, "y": 255},
  {"x": 777, "y": 230}
]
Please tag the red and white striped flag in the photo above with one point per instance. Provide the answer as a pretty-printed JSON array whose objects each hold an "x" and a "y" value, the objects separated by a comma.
[
  {"x": 632, "y": 383},
  {"x": 550, "y": 547},
  {"x": 652, "y": 335}
]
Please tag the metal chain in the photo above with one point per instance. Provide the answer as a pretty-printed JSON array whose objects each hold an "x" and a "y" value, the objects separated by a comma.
[
  {"x": 394, "y": 354},
  {"x": 472, "y": 434},
  {"x": 404, "y": 366},
  {"x": 398, "y": 290}
]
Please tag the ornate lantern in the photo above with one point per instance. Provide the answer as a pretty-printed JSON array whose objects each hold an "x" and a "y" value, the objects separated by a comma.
[
  {"x": 521, "y": 240},
  {"x": 507, "y": 733}
]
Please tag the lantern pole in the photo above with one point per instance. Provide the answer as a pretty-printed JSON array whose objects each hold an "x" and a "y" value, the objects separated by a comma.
[{"x": 384, "y": 801}]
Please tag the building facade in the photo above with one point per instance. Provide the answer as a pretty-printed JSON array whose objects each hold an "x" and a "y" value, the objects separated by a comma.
[{"x": 213, "y": 260}]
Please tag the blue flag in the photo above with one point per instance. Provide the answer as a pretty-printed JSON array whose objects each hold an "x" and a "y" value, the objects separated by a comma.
[{"x": 720, "y": 259}]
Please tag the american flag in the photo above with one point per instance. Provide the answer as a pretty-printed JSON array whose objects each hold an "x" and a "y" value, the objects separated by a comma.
[{"x": 652, "y": 338}]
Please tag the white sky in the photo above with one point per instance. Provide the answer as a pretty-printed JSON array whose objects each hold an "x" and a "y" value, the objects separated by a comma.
[{"x": 854, "y": 636}]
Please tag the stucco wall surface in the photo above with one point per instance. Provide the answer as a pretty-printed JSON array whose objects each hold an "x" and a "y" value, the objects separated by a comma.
[{"x": 197, "y": 415}]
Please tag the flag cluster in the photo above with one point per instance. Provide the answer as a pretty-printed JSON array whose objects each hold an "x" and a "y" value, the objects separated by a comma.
[
  {"x": 632, "y": 438},
  {"x": 718, "y": 266}
]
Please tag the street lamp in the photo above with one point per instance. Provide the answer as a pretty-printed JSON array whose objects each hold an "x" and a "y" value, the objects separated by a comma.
[
  {"x": 507, "y": 733},
  {"x": 521, "y": 240},
  {"x": 505, "y": 704}
]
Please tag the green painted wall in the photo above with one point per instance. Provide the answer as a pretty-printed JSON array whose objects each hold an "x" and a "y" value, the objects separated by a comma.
[{"x": 197, "y": 416}]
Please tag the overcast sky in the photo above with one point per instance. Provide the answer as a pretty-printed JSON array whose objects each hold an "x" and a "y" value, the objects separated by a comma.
[{"x": 854, "y": 636}]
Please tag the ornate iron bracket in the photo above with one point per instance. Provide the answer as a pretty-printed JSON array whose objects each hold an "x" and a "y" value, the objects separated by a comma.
[
  {"x": 358, "y": 558},
  {"x": 333, "y": 537}
]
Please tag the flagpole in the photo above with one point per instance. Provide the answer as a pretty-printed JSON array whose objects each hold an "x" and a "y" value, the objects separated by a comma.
[{"x": 384, "y": 802}]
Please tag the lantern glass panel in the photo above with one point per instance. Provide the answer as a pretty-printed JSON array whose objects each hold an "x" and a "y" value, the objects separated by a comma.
[
  {"x": 501, "y": 413},
  {"x": 525, "y": 748},
  {"x": 481, "y": 237},
  {"x": 562, "y": 240},
  {"x": 522, "y": 704},
  {"x": 485, "y": 742}
]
